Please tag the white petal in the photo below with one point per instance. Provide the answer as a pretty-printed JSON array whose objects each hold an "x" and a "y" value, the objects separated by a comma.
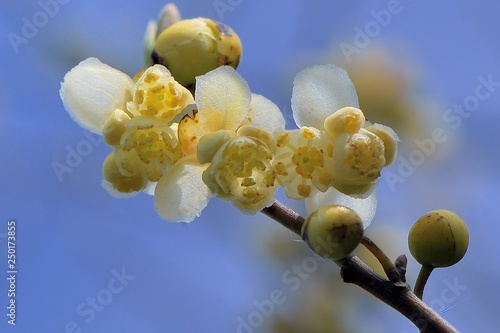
[
  {"x": 150, "y": 188},
  {"x": 223, "y": 99},
  {"x": 181, "y": 194},
  {"x": 168, "y": 16},
  {"x": 116, "y": 194},
  {"x": 365, "y": 207},
  {"x": 318, "y": 91},
  {"x": 388, "y": 130},
  {"x": 92, "y": 91},
  {"x": 149, "y": 41},
  {"x": 264, "y": 114}
]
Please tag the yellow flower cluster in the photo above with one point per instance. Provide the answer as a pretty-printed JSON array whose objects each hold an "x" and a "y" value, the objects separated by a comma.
[
  {"x": 230, "y": 143},
  {"x": 144, "y": 135}
]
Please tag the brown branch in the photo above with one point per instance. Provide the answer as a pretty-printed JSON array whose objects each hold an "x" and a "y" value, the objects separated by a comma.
[
  {"x": 396, "y": 294},
  {"x": 285, "y": 216},
  {"x": 393, "y": 273}
]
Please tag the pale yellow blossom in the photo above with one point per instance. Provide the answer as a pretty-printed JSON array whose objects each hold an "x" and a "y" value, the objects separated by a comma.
[
  {"x": 224, "y": 155},
  {"x": 136, "y": 119},
  {"x": 240, "y": 170},
  {"x": 303, "y": 161},
  {"x": 350, "y": 157}
]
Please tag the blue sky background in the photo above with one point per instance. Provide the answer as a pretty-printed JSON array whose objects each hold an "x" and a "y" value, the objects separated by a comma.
[{"x": 203, "y": 276}]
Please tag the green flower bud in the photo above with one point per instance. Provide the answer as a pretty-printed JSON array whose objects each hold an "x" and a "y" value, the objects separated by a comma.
[
  {"x": 189, "y": 48},
  {"x": 438, "y": 239},
  {"x": 333, "y": 231}
]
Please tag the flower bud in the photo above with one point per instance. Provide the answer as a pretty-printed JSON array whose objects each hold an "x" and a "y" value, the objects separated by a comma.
[
  {"x": 358, "y": 160},
  {"x": 189, "y": 48},
  {"x": 240, "y": 171},
  {"x": 346, "y": 120},
  {"x": 120, "y": 182},
  {"x": 390, "y": 139},
  {"x": 114, "y": 127},
  {"x": 438, "y": 239},
  {"x": 333, "y": 231}
]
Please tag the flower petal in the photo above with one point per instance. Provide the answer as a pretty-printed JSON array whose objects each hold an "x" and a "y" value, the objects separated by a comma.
[
  {"x": 365, "y": 208},
  {"x": 264, "y": 114},
  {"x": 190, "y": 132},
  {"x": 92, "y": 91},
  {"x": 319, "y": 91},
  {"x": 156, "y": 93},
  {"x": 149, "y": 41},
  {"x": 181, "y": 194},
  {"x": 150, "y": 188},
  {"x": 223, "y": 99},
  {"x": 117, "y": 194},
  {"x": 303, "y": 160},
  {"x": 390, "y": 139},
  {"x": 169, "y": 15}
]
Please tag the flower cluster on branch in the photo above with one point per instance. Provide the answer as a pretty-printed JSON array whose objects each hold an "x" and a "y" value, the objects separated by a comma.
[
  {"x": 226, "y": 141},
  {"x": 188, "y": 127}
]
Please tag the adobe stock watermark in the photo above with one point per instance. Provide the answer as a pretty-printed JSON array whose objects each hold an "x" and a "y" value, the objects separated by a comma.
[
  {"x": 291, "y": 279},
  {"x": 31, "y": 25},
  {"x": 74, "y": 155},
  {"x": 454, "y": 116},
  {"x": 223, "y": 6},
  {"x": 87, "y": 310},
  {"x": 364, "y": 36},
  {"x": 447, "y": 299}
]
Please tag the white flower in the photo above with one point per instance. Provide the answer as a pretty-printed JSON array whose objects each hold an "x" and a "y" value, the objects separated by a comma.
[
  {"x": 136, "y": 119},
  {"x": 303, "y": 161},
  {"x": 324, "y": 98},
  {"x": 92, "y": 91},
  {"x": 318, "y": 92},
  {"x": 240, "y": 167},
  {"x": 158, "y": 94},
  {"x": 224, "y": 105}
]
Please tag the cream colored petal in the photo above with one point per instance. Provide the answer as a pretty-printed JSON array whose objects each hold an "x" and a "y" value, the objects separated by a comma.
[
  {"x": 365, "y": 208},
  {"x": 303, "y": 160},
  {"x": 252, "y": 209},
  {"x": 181, "y": 194},
  {"x": 223, "y": 99},
  {"x": 92, "y": 91},
  {"x": 168, "y": 16},
  {"x": 149, "y": 41},
  {"x": 188, "y": 110},
  {"x": 390, "y": 139},
  {"x": 116, "y": 194},
  {"x": 358, "y": 158},
  {"x": 114, "y": 127},
  {"x": 264, "y": 114},
  {"x": 150, "y": 188},
  {"x": 346, "y": 120},
  {"x": 190, "y": 132},
  {"x": 318, "y": 91},
  {"x": 210, "y": 143},
  {"x": 158, "y": 94}
]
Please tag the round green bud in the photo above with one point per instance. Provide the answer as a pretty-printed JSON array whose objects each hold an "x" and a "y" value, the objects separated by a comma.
[
  {"x": 333, "y": 231},
  {"x": 189, "y": 48},
  {"x": 438, "y": 239}
]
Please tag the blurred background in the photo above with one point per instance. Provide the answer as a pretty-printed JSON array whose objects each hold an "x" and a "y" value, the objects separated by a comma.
[{"x": 88, "y": 262}]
